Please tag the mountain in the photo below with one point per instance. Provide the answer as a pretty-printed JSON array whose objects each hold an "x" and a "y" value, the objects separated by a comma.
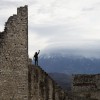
[
  {"x": 62, "y": 79},
  {"x": 69, "y": 64}
]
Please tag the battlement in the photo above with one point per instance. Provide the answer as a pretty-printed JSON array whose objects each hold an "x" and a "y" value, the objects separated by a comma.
[{"x": 22, "y": 10}]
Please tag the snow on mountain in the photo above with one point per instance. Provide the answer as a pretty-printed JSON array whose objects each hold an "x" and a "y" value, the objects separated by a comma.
[{"x": 69, "y": 64}]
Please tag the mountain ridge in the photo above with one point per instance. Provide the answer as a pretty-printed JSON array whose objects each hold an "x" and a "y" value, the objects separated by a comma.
[{"x": 70, "y": 64}]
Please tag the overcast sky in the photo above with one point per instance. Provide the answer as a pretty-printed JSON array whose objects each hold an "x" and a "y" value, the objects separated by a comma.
[{"x": 72, "y": 26}]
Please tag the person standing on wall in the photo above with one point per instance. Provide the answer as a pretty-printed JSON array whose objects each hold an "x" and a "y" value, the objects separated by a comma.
[{"x": 36, "y": 57}]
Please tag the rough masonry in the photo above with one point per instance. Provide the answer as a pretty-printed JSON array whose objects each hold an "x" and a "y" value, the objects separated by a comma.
[
  {"x": 42, "y": 87},
  {"x": 14, "y": 57},
  {"x": 87, "y": 85}
]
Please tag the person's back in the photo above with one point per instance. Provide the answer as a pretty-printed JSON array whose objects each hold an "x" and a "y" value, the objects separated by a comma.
[{"x": 36, "y": 57}]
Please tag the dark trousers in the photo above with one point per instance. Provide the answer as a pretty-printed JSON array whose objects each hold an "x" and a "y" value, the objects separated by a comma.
[{"x": 36, "y": 62}]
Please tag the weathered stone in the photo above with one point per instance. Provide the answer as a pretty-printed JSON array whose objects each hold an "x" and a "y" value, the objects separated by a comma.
[
  {"x": 42, "y": 86},
  {"x": 87, "y": 85},
  {"x": 14, "y": 57}
]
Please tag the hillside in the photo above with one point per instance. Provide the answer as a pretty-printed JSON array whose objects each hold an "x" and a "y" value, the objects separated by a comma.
[
  {"x": 63, "y": 80},
  {"x": 70, "y": 64}
]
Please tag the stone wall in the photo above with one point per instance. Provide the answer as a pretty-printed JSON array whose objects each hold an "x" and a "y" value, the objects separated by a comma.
[
  {"x": 86, "y": 82},
  {"x": 87, "y": 85},
  {"x": 14, "y": 57},
  {"x": 42, "y": 87}
]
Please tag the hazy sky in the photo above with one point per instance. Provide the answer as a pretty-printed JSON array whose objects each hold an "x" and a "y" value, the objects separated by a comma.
[{"x": 71, "y": 26}]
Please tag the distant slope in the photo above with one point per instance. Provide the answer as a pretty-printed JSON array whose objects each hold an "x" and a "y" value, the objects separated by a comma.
[
  {"x": 62, "y": 79},
  {"x": 70, "y": 64}
]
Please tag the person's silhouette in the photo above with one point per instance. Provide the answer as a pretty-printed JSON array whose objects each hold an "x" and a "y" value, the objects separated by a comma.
[{"x": 36, "y": 57}]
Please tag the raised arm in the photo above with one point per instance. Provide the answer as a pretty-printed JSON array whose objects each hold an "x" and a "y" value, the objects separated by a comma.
[{"x": 38, "y": 51}]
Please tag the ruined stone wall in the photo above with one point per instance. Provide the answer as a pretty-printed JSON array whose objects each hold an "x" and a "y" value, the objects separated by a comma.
[
  {"x": 85, "y": 82},
  {"x": 42, "y": 87},
  {"x": 87, "y": 85},
  {"x": 14, "y": 57}
]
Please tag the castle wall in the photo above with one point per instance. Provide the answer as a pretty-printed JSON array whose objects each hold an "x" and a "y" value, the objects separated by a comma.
[
  {"x": 14, "y": 57},
  {"x": 87, "y": 85},
  {"x": 84, "y": 83},
  {"x": 42, "y": 87}
]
